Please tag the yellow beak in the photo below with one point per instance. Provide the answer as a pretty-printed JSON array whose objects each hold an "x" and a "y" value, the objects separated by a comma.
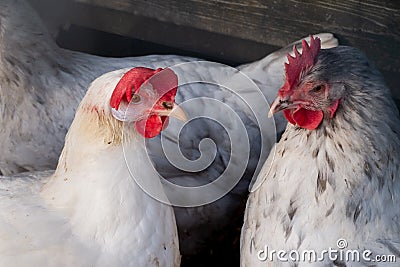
[{"x": 176, "y": 112}]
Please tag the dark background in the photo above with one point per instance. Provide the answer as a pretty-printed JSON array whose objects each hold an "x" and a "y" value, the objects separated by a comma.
[{"x": 230, "y": 32}]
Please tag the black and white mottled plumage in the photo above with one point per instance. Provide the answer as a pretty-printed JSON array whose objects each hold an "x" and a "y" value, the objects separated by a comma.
[{"x": 339, "y": 181}]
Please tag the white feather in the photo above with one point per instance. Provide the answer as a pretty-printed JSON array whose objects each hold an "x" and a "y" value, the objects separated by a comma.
[
  {"x": 41, "y": 86},
  {"x": 90, "y": 212}
]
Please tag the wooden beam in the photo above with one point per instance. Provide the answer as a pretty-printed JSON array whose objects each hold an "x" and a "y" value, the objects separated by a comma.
[
  {"x": 201, "y": 43},
  {"x": 371, "y": 25},
  {"x": 240, "y": 31}
]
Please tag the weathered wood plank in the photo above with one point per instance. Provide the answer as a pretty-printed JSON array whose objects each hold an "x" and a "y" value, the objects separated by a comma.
[
  {"x": 240, "y": 31},
  {"x": 372, "y": 25},
  {"x": 198, "y": 42}
]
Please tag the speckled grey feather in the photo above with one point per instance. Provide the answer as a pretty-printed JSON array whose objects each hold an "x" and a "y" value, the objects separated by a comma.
[{"x": 338, "y": 181}]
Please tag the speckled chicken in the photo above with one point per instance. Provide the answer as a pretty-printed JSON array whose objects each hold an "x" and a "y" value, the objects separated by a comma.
[{"x": 334, "y": 179}]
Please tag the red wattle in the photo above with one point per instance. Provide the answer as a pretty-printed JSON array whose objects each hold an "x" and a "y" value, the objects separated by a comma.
[
  {"x": 150, "y": 127},
  {"x": 305, "y": 118},
  {"x": 165, "y": 122},
  {"x": 288, "y": 113}
]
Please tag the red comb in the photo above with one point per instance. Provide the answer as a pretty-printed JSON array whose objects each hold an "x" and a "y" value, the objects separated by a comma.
[
  {"x": 165, "y": 84},
  {"x": 300, "y": 63},
  {"x": 130, "y": 82}
]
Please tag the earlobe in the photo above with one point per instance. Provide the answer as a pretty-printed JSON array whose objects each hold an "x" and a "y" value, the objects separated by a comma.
[
  {"x": 326, "y": 93},
  {"x": 117, "y": 114},
  {"x": 332, "y": 109},
  {"x": 126, "y": 112},
  {"x": 123, "y": 113}
]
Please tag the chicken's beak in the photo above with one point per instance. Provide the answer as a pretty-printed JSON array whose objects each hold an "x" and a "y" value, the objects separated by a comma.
[
  {"x": 176, "y": 112},
  {"x": 279, "y": 104}
]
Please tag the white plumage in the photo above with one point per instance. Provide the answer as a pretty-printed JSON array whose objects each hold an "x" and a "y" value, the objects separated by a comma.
[
  {"x": 90, "y": 212},
  {"x": 41, "y": 87},
  {"x": 42, "y": 84}
]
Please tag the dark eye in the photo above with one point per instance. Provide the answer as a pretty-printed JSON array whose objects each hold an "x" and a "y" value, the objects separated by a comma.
[
  {"x": 135, "y": 98},
  {"x": 318, "y": 88},
  {"x": 167, "y": 105}
]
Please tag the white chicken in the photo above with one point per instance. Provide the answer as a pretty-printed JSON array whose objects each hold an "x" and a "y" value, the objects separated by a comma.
[
  {"x": 91, "y": 212},
  {"x": 42, "y": 84},
  {"x": 329, "y": 196}
]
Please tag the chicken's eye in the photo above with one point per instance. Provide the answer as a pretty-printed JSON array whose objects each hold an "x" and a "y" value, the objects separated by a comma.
[
  {"x": 135, "y": 98},
  {"x": 318, "y": 88},
  {"x": 167, "y": 105}
]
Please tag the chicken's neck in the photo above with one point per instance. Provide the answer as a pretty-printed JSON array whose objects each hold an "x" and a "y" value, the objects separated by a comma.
[
  {"x": 94, "y": 188},
  {"x": 345, "y": 169}
]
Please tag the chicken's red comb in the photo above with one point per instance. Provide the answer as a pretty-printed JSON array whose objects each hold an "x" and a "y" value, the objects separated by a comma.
[
  {"x": 165, "y": 84},
  {"x": 300, "y": 63}
]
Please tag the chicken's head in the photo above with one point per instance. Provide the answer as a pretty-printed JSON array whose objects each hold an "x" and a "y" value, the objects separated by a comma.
[
  {"x": 146, "y": 102},
  {"x": 305, "y": 97}
]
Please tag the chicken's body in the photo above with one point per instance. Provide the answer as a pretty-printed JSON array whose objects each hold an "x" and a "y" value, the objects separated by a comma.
[
  {"x": 90, "y": 212},
  {"x": 338, "y": 181},
  {"x": 42, "y": 84}
]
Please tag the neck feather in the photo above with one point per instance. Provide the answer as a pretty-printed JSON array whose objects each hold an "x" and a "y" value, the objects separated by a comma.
[
  {"x": 94, "y": 188},
  {"x": 354, "y": 153}
]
